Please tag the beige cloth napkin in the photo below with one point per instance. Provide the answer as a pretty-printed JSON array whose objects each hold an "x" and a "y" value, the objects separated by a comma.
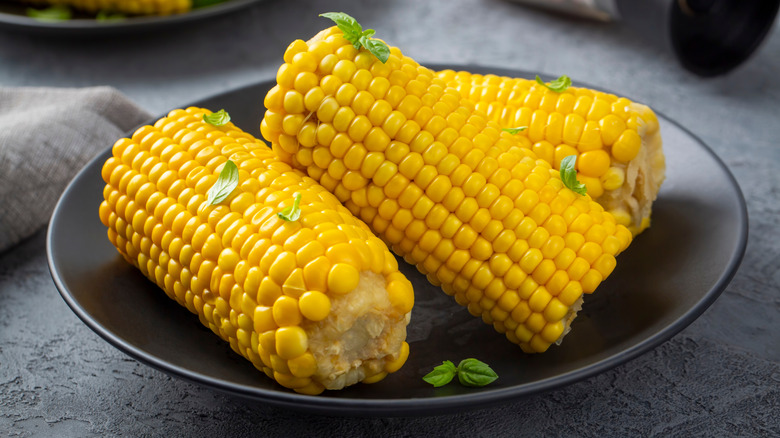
[{"x": 46, "y": 136}]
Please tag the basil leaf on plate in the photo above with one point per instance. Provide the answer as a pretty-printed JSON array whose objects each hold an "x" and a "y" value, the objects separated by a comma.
[
  {"x": 472, "y": 372},
  {"x": 442, "y": 374}
]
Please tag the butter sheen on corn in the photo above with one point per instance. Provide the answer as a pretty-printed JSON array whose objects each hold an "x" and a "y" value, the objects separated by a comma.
[
  {"x": 316, "y": 303},
  {"x": 472, "y": 207}
]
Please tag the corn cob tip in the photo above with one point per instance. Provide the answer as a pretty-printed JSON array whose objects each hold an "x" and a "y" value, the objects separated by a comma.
[{"x": 617, "y": 142}]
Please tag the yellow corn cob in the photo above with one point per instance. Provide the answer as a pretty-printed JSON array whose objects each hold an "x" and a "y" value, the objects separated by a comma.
[
  {"x": 129, "y": 7},
  {"x": 317, "y": 303},
  {"x": 618, "y": 142},
  {"x": 471, "y": 206}
]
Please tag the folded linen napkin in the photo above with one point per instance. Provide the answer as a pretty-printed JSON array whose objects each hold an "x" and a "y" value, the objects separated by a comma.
[{"x": 46, "y": 136}]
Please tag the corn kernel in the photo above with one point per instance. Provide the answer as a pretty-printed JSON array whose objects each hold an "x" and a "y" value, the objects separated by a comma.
[
  {"x": 285, "y": 312},
  {"x": 264, "y": 319},
  {"x": 291, "y": 342},
  {"x": 627, "y": 146},
  {"x": 401, "y": 295},
  {"x": 304, "y": 365},
  {"x": 342, "y": 278}
]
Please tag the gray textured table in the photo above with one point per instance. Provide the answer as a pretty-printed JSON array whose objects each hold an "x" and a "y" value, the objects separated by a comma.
[{"x": 720, "y": 376}]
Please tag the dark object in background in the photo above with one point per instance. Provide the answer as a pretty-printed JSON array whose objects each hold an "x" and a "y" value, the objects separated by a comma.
[{"x": 708, "y": 37}]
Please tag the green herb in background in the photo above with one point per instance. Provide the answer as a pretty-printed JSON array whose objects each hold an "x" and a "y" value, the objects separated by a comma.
[
  {"x": 293, "y": 212},
  {"x": 219, "y": 118},
  {"x": 515, "y": 131},
  {"x": 54, "y": 13},
  {"x": 226, "y": 183},
  {"x": 354, "y": 33},
  {"x": 559, "y": 85},
  {"x": 470, "y": 372},
  {"x": 203, "y": 3},
  {"x": 569, "y": 175},
  {"x": 109, "y": 16}
]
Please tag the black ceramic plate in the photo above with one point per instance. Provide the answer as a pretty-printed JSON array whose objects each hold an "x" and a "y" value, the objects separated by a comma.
[
  {"x": 666, "y": 279},
  {"x": 13, "y": 17}
]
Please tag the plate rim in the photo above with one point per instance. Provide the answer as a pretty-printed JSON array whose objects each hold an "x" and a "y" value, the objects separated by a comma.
[{"x": 415, "y": 406}]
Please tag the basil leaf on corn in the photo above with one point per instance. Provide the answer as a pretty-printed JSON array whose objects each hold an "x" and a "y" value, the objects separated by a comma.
[
  {"x": 219, "y": 118},
  {"x": 515, "y": 131},
  {"x": 354, "y": 33},
  {"x": 226, "y": 183},
  {"x": 559, "y": 85},
  {"x": 569, "y": 175},
  {"x": 293, "y": 212}
]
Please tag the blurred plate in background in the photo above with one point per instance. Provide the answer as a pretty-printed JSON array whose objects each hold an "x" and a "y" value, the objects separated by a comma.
[{"x": 13, "y": 16}]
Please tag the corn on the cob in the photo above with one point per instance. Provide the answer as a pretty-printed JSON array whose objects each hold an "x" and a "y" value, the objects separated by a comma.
[
  {"x": 315, "y": 303},
  {"x": 129, "y": 7},
  {"x": 618, "y": 142},
  {"x": 471, "y": 206}
]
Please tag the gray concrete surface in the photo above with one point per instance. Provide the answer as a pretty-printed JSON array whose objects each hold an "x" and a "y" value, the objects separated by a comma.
[{"x": 718, "y": 377}]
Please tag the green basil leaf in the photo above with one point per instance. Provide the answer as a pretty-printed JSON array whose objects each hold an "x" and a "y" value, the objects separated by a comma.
[
  {"x": 442, "y": 374},
  {"x": 472, "y": 372},
  {"x": 219, "y": 118},
  {"x": 54, "y": 13},
  {"x": 109, "y": 16},
  {"x": 293, "y": 212},
  {"x": 346, "y": 23},
  {"x": 569, "y": 175},
  {"x": 354, "y": 33},
  {"x": 354, "y": 40},
  {"x": 378, "y": 48},
  {"x": 514, "y": 131},
  {"x": 351, "y": 28},
  {"x": 559, "y": 85},
  {"x": 226, "y": 183}
]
